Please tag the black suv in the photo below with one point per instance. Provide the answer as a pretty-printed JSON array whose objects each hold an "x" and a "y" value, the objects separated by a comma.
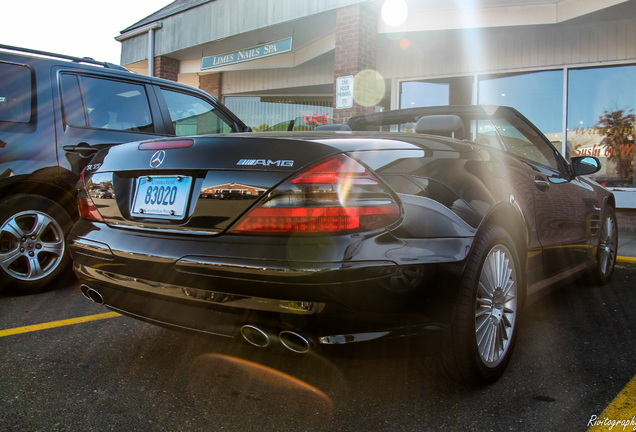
[{"x": 56, "y": 111}]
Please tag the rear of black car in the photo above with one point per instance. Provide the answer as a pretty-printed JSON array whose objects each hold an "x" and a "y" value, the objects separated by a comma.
[{"x": 260, "y": 235}]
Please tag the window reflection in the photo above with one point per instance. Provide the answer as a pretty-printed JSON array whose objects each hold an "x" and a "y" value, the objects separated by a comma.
[
  {"x": 15, "y": 103},
  {"x": 601, "y": 110},
  {"x": 524, "y": 141},
  {"x": 193, "y": 116},
  {"x": 447, "y": 91},
  {"x": 600, "y": 120},
  {"x": 280, "y": 113},
  {"x": 109, "y": 104},
  {"x": 536, "y": 95}
]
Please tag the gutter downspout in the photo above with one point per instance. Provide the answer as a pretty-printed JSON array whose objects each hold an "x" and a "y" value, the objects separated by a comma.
[
  {"x": 150, "y": 29},
  {"x": 151, "y": 52}
]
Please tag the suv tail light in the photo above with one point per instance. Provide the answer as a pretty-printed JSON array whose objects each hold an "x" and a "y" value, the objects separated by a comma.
[
  {"x": 337, "y": 195},
  {"x": 86, "y": 206}
]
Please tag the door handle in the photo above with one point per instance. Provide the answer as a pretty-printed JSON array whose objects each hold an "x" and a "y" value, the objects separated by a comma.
[
  {"x": 82, "y": 149},
  {"x": 541, "y": 183}
]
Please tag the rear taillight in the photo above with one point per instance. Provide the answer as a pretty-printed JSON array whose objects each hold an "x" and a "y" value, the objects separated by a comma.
[
  {"x": 86, "y": 206},
  {"x": 338, "y": 195}
]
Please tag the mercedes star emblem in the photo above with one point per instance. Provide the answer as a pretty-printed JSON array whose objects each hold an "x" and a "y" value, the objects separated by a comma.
[{"x": 157, "y": 159}]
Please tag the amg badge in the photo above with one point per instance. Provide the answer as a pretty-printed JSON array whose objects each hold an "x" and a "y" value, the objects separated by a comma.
[{"x": 266, "y": 162}]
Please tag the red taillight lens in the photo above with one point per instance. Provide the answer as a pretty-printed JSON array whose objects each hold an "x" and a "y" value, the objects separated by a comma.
[
  {"x": 88, "y": 210},
  {"x": 86, "y": 206},
  {"x": 332, "y": 171},
  {"x": 317, "y": 220},
  {"x": 338, "y": 195}
]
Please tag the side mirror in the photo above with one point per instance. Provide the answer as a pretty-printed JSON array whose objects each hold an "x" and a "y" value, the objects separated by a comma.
[{"x": 585, "y": 165}]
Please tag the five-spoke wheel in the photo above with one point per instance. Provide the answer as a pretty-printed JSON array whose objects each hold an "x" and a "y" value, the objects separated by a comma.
[{"x": 32, "y": 242}]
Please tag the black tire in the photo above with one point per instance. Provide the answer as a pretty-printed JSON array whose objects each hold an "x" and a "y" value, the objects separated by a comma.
[
  {"x": 607, "y": 250},
  {"x": 33, "y": 251},
  {"x": 484, "y": 328}
]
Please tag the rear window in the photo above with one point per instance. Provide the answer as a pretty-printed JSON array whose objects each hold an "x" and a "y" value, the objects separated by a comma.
[
  {"x": 15, "y": 93},
  {"x": 100, "y": 103}
]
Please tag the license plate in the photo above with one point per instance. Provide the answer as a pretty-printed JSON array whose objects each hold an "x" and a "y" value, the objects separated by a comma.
[{"x": 162, "y": 196}]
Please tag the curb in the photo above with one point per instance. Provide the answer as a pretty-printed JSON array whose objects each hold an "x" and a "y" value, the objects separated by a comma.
[{"x": 626, "y": 260}]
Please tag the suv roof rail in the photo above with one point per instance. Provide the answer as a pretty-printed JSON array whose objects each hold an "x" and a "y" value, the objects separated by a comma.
[{"x": 87, "y": 60}]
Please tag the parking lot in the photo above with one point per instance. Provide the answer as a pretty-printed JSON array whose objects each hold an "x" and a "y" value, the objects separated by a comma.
[
  {"x": 333, "y": 172},
  {"x": 69, "y": 364}
]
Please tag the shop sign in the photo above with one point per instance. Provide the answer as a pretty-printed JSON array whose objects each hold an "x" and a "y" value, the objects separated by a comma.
[
  {"x": 253, "y": 53},
  {"x": 316, "y": 119},
  {"x": 344, "y": 92}
]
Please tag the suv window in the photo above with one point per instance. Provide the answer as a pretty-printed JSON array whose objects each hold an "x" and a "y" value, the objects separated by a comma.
[
  {"x": 105, "y": 104},
  {"x": 191, "y": 115},
  {"x": 15, "y": 93}
]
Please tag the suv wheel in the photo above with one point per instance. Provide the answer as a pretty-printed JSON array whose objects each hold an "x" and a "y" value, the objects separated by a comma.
[{"x": 33, "y": 252}]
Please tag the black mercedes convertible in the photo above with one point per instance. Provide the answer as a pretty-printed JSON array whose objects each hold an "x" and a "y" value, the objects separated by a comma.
[{"x": 428, "y": 222}]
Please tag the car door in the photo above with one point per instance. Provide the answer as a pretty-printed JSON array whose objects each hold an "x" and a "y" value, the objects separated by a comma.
[
  {"x": 96, "y": 110},
  {"x": 564, "y": 206}
]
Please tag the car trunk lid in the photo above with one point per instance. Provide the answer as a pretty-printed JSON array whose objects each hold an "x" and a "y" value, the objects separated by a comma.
[{"x": 197, "y": 185}]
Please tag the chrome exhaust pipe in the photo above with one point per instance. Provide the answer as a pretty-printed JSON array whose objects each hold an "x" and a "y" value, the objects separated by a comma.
[
  {"x": 296, "y": 342},
  {"x": 255, "y": 336},
  {"x": 92, "y": 294}
]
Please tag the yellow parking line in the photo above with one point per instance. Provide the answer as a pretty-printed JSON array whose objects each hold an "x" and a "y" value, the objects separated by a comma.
[
  {"x": 53, "y": 324},
  {"x": 620, "y": 414}
]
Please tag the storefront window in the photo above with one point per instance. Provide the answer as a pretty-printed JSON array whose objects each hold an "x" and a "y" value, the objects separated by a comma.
[
  {"x": 281, "y": 114},
  {"x": 448, "y": 91},
  {"x": 536, "y": 95},
  {"x": 600, "y": 120},
  {"x": 601, "y": 110}
]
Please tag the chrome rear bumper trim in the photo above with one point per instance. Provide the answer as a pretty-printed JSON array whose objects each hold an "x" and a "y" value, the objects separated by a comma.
[{"x": 201, "y": 295}]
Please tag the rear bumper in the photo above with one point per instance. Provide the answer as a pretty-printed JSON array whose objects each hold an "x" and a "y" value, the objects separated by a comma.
[
  {"x": 183, "y": 282},
  {"x": 228, "y": 318}
]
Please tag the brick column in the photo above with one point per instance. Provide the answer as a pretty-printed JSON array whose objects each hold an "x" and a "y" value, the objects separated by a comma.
[
  {"x": 626, "y": 219},
  {"x": 356, "y": 50},
  {"x": 166, "y": 67},
  {"x": 211, "y": 83}
]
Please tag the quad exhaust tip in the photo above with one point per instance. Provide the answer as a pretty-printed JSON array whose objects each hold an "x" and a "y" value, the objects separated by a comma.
[
  {"x": 293, "y": 341},
  {"x": 92, "y": 294},
  {"x": 255, "y": 336},
  {"x": 296, "y": 342}
]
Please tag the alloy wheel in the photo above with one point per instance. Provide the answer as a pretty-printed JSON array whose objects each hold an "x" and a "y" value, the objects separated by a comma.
[
  {"x": 608, "y": 246},
  {"x": 496, "y": 305},
  {"x": 31, "y": 245}
]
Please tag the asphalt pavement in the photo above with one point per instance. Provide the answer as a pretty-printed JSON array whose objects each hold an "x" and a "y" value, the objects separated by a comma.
[{"x": 69, "y": 366}]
